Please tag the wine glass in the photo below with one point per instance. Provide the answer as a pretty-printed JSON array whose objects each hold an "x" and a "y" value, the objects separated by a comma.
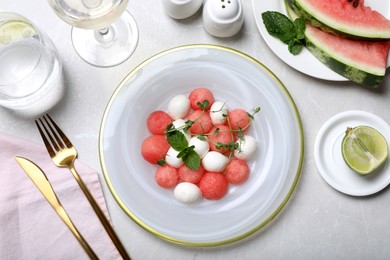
[{"x": 104, "y": 34}]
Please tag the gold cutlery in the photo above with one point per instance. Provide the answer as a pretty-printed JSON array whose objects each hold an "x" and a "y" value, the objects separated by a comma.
[
  {"x": 40, "y": 180},
  {"x": 63, "y": 154}
]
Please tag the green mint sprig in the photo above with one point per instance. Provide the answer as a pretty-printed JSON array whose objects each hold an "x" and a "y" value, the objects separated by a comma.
[
  {"x": 178, "y": 141},
  {"x": 290, "y": 32},
  {"x": 203, "y": 106},
  {"x": 190, "y": 157}
]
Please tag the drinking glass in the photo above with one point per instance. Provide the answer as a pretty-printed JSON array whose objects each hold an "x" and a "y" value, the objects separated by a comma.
[
  {"x": 31, "y": 79},
  {"x": 104, "y": 34}
]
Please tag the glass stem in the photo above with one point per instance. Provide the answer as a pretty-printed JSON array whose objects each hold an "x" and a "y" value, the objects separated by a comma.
[
  {"x": 91, "y": 4},
  {"x": 105, "y": 35}
]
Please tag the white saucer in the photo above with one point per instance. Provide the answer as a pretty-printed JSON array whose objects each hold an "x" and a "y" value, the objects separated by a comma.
[{"x": 330, "y": 162}]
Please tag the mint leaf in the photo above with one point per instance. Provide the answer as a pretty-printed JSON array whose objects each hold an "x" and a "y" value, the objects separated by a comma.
[
  {"x": 279, "y": 26},
  {"x": 192, "y": 160},
  {"x": 161, "y": 162},
  {"x": 188, "y": 124},
  {"x": 177, "y": 140},
  {"x": 295, "y": 46},
  {"x": 202, "y": 137},
  {"x": 203, "y": 105},
  {"x": 300, "y": 27},
  {"x": 185, "y": 151}
]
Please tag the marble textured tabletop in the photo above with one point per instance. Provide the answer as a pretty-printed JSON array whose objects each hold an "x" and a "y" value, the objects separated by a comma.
[{"x": 318, "y": 223}]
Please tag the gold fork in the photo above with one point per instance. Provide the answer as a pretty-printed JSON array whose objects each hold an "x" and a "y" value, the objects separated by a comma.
[{"x": 63, "y": 154}]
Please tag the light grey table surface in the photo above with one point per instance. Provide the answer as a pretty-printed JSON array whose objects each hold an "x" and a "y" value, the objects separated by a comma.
[{"x": 318, "y": 223}]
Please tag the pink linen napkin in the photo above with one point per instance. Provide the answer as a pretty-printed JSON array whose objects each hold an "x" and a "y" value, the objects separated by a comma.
[{"x": 30, "y": 228}]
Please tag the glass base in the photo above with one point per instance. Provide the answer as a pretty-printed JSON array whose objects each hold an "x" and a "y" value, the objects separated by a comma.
[{"x": 109, "y": 46}]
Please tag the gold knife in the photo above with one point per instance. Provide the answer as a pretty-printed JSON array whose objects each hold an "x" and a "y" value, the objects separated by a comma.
[{"x": 40, "y": 180}]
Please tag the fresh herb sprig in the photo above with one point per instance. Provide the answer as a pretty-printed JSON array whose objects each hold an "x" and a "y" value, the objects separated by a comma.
[
  {"x": 290, "y": 32},
  {"x": 178, "y": 141},
  {"x": 204, "y": 105}
]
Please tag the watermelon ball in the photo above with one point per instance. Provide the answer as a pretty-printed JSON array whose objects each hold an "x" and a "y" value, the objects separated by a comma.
[
  {"x": 166, "y": 176},
  {"x": 223, "y": 136},
  {"x": 154, "y": 148},
  {"x": 188, "y": 175},
  {"x": 213, "y": 185},
  {"x": 157, "y": 122},
  {"x": 200, "y": 95},
  {"x": 214, "y": 162},
  {"x": 239, "y": 118},
  {"x": 201, "y": 146},
  {"x": 218, "y": 113},
  {"x": 187, "y": 192},
  {"x": 178, "y": 107},
  {"x": 202, "y": 122},
  {"x": 237, "y": 171},
  {"x": 247, "y": 146}
]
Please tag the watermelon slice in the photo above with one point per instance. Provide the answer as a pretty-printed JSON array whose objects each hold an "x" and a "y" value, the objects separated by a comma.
[
  {"x": 363, "y": 62},
  {"x": 343, "y": 17}
]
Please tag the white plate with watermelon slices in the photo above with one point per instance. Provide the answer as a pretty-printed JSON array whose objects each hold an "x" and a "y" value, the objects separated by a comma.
[{"x": 305, "y": 62}]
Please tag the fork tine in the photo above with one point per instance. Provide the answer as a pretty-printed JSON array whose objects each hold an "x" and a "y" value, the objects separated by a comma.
[
  {"x": 57, "y": 146},
  {"x": 47, "y": 143},
  {"x": 53, "y": 134},
  {"x": 59, "y": 131}
]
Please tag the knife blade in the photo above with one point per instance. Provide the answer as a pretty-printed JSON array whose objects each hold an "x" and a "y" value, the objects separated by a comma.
[{"x": 40, "y": 180}]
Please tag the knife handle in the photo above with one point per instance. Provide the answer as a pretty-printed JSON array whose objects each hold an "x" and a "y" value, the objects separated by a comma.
[{"x": 65, "y": 217}]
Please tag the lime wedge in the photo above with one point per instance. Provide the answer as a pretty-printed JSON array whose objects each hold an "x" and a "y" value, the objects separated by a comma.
[
  {"x": 15, "y": 30},
  {"x": 364, "y": 149}
]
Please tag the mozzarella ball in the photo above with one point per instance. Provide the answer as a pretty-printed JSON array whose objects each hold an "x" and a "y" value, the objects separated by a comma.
[
  {"x": 180, "y": 123},
  {"x": 187, "y": 192},
  {"x": 171, "y": 158},
  {"x": 246, "y": 147},
  {"x": 218, "y": 113},
  {"x": 178, "y": 107},
  {"x": 214, "y": 162},
  {"x": 201, "y": 147}
]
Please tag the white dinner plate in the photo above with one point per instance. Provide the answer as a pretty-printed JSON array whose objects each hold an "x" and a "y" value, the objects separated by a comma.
[
  {"x": 304, "y": 62},
  {"x": 242, "y": 82},
  {"x": 330, "y": 162}
]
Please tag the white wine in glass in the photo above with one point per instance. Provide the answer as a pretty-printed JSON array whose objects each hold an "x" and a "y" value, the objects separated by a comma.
[{"x": 104, "y": 34}]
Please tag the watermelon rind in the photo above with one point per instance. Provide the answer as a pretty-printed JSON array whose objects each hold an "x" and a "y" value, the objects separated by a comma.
[
  {"x": 349, "y": 71},
  {"x": 327, "y": 24},
  {"x": 357, "y": 72}
]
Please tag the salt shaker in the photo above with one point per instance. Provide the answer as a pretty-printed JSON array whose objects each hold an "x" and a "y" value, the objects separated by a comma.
[
  {"x": 223, "y": 18},
  {"x": 181, "y": 9}
]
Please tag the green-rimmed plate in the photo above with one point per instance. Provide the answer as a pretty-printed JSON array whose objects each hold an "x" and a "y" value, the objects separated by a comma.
[{"x": 233, "y": 77}]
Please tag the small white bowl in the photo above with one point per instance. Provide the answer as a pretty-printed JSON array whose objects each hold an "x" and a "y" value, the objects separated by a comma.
[
  {"x": 223, "y": 18},
  {"x": 181, "y": 9}
]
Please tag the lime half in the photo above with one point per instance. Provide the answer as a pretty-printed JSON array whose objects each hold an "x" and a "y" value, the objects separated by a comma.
[
  {"x": 364, "y": 149},
  {"x": 15, "y": 30}
]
